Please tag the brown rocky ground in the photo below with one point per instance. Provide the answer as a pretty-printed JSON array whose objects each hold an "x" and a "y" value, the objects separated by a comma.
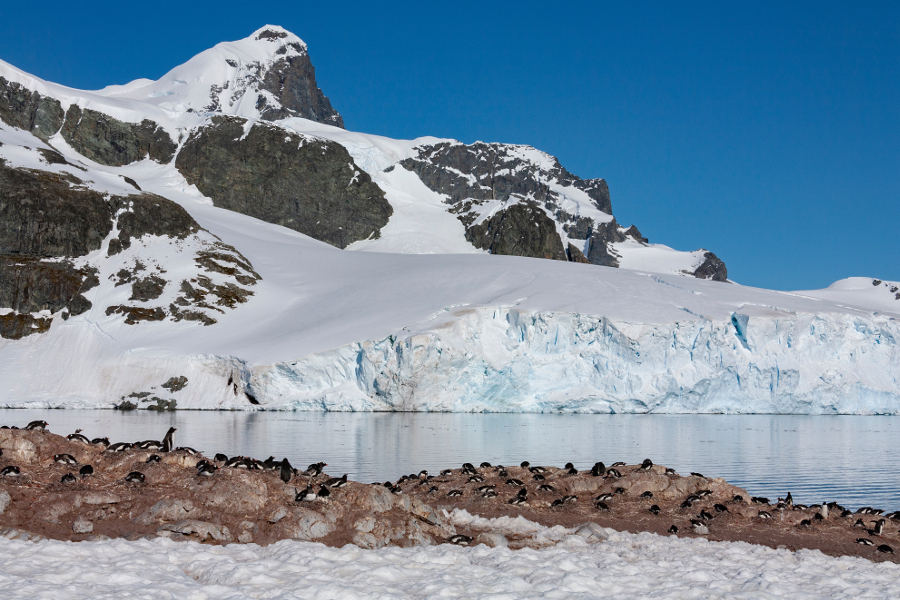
[{"x": 241, "y": 505}]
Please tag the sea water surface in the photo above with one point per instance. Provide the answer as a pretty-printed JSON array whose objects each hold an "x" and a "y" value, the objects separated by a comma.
[{"x": 851, "y": 460}]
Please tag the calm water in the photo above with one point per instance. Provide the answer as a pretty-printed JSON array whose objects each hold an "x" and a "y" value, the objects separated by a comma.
[{"x": 847, "y": 459}]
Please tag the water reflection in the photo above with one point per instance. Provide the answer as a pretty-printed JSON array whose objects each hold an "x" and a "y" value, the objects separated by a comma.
[{"x": 847, "y": 459}]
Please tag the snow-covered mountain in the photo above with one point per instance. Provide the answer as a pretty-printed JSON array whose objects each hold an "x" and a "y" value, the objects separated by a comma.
[{"x": 184, "y": 242}]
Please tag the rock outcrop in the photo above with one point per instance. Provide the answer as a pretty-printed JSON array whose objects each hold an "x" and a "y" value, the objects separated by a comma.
[
  {"x": 307, "y": 184},
  {"x": 520, "y": 230},
  {"x": 114, "y": 143},
  {"x": 28, "y": 110}
]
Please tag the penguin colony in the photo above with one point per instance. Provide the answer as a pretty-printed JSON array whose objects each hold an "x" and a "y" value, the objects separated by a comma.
[{"x": 539, "y": 493}]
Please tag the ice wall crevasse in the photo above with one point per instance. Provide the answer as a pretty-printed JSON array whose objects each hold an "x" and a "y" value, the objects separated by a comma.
[{"x": 504, "y": 360}]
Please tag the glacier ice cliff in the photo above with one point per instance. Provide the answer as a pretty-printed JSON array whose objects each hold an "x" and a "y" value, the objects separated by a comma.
[{"x": 504, "y": 360}]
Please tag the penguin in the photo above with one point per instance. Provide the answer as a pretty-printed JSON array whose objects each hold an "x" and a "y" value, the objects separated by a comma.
[
  {"x": 537, "y": 470},
  {"x": 337, "y": 482},
  {"x": 396, "y": 490},
  {"x": 598, "y": 470},
  {"x": 515, "y": 481},
  {"x": 77, "y": 437},
  {"x": 618, "y": 464},
  {"x": 602, "y": 506},
  {"x": 153, "y": 458},
  {"x": 135, "y": 477},
  {"x": 68, "y": 478},
  {"x": 119, "y": 447},
  {"x": 502, "y": 473},
  {"x": 886, "y": 549},
  {"x": 699, "y": 528},
  {"x": 189, "y": 450},
  {"x": 670, "y": 471},
  {"x": 489, "y": 494},
  {"x": 219, "y": 457},
  {"x": 700, "y": 475},
  {"x": 484, "y": 488},
  {"x": 859, "y": 523},
  {"x": 538, "y": 477},
  {"x": 604, "y": 497},
  {"x": 64, "y": 459},
  {"x": 572, "y": 471},
  {"x": 646, "y": 465},
  {"x": 654, "y": 509},
  {"x": 446, "y": 472},
  {"x": 307, "y": 495},
  {"x": 37, "y": 426},
  {"x": 315, "y": 469},
  {"x": 202, "y": 463},
  {"x": 148, "y": 445},
  {"x": 476, "y": 479},
  {"x": 546, "y": 488},
  {"x": 865, "y": 542},
  {"x": 759, "y": 500},
  {"x": 805, "y": 523},
  {"x": 647, "y": 495},
  {"x": 485, "y": 465},
  {"x": 764, "y": 515},
  {"x": 423, "y": 474},
  {"x": 286, "y": 471},
  {"x": 104, "y": 441},
  {"x": 704, "y": 493},
  {"x": 525, "y": 464},
  {"x": 571, "y": 498},
  {"x": 846, "y": 513},
  {"x": 168, "y": 443},
  {"x": 705, "y": 515},
  {"x": 324, "y": 493},
  {"x": 555, "y": 503},
  {"x": 523, "y": 493},
  {"x": 720, "y": 508},
  {"x": 687, "y": 504},
  {"x": 878, "y": 529},
  {"x": 619, "y": 490},
  {"x": 207, "y": 470},
  {"x": 459, "y": 539},
  {"x": 789, "y": 500},
  {"x": 818, "y": 517},
  {"x": 737, "y": 498},
  {"x": 517, "y": 500},
  {"x": 454, "y": 493},
  {"x": 10, "y": 471},
  {"x": 613, "y": 474},
  {"x": 86, "y": 471},
  {"x": 469, "y": 469},
  {"x": 433, "y": 489},
  {"x": 569, "y": 466},
  {"x": 673, "y": 529}
]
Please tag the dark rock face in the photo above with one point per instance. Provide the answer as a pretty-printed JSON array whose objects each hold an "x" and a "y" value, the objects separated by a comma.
[
  {"x": 111, "y": 142},
  {"x": 42, "y": 214},
  {"x": 599, "y": 252},
  {"x": 576, "y": 255},
  {"x": 28, "y": 110},
  {"x": 712, "y": 268},
  {"x": 150, "y": 214},
  {"x": 149, "y": 288},
  {"x": 293, "y": 82},
  {"x": 499, "y": 172},
  {"x": 636, "y": 235},
  {"x": 308, "y": 185},
  {"x": 520, "y": 230}
]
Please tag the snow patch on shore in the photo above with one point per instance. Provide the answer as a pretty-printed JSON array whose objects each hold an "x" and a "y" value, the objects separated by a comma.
[{"x": 626, "y": 565}]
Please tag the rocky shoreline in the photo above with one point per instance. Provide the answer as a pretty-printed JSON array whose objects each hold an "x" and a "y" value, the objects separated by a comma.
[{"x": 73, "y": 488}]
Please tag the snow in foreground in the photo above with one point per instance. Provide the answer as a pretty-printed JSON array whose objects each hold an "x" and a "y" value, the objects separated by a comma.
[{"x": 624, "y": 566}]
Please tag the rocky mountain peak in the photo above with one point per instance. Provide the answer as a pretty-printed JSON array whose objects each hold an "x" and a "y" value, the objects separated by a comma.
[{"x": 267, "y": 75}]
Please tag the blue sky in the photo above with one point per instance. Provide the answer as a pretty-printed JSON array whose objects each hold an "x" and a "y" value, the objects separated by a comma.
[{"x": 768, "y": 133}]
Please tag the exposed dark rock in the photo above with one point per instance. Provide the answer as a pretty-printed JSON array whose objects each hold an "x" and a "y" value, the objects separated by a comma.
[
  {"x": 498, "y": 173},
  {"x": 212, "y": 262},
  {"x": 520, "y": 230},
  {"x": 712, "y": 268},
  {"x": 134, "y": 314},
  {"x": 132, "y": 183},
  {"x": 42, "y": 214},
  {"x": 599, "y": 252},
  {"x": 109, "y": 141},
  {"x": 161, "y": 404},
  {"x": 52, "y": 157},
  {"x": 576, "y": 255},
  {"x": 28, "y": 110},
  {"x": 292, "y": 80},
  {"x": 179, "y": 314},
  {"x": 577, "y": 227},
  {"x": 151, "y": 214},
  {"x": 29, "y": 285},
  {"x": 16, "y": 326},
  {"x": 176, "y": 384},
  {"x": 634, "y": 233},
  {"x": 308, "y": 185},
  {"x": 149, "y": 288}
]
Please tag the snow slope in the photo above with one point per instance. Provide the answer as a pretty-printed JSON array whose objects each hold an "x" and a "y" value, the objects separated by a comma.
[{"x": 624, "y": 565}]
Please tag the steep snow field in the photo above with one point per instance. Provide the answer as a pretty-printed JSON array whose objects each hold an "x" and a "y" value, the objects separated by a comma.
[{"x": 623, "y": 566}]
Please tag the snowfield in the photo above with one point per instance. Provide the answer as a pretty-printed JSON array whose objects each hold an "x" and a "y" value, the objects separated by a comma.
[{"x": 624, "y": 565}]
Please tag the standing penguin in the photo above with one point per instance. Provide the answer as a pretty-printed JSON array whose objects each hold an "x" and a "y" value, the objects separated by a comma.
[
  {"x": 168, "y": 443},
  {"x": 286, "y": 471}
]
